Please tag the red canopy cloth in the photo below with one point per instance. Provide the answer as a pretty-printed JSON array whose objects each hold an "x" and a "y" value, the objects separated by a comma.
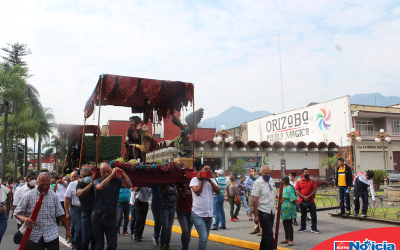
[
  {"x": 150, "y": 175},
  {"x": 139, "y": 93},
  {"x": 71, "y": 130}
]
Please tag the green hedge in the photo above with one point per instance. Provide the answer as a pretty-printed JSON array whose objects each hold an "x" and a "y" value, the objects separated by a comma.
[{"x": 110, "y": 147}]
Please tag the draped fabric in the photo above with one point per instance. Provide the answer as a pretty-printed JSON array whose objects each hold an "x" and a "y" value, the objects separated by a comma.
[{"x": 165, "y": 97}]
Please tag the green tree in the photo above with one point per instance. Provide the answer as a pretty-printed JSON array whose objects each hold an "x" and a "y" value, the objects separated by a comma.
[
  {"x": 330, "y": 162},
  {"x": 238, "y": 167},
  {"x": 56, "y": 146},
  {"x": 15, "y": 52},
  {"x": 45, "y": 125},
  {"x": 12, "y": 89}
]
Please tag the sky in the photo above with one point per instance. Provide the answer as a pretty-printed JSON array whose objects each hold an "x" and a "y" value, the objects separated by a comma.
[{"x": 228, "y": 49}]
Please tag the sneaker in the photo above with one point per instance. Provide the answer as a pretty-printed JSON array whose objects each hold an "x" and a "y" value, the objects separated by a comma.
[
  {"x": 316, "y": 231},
  {"x": 155, "y": 241},
  {"x": 236, "y": 218},
  {"x": 363, "y": 215},
  {"x": 260, "y": 234},
  {"x": 302, "y": 230},
  {"x": 222, "y": 227},
  {"x": 126, "y": 234},
  {"x": 213, "y": 228},
  {"x": 233, "y": 220},
  {"x": 355, "y": 215},
  {"x": 295, "y": 224}
]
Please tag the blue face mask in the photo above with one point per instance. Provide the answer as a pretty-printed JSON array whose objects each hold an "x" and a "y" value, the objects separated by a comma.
[
  {"x": 87, "y": 179},
  {"x": 266, "y": 177}
]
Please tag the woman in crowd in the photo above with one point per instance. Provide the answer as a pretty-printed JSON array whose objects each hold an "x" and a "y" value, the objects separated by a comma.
[
  {"x": 168, "y": 205},
  {"x": 293, "y": 180},
  {"x": 232, "y": 189},
  {"x": 288, "y": 210}
]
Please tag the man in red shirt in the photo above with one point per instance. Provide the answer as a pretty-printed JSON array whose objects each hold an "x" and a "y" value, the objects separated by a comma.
[
  {"x": 184, "y": 211},
  {"x": 306, "y": 189}
]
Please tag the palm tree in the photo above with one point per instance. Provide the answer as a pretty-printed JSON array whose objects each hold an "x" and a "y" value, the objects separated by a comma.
[
  {"x": 45, "y": 125},
  {"x": 12, "y": 88},
  {"x": 56, "y": 145}
]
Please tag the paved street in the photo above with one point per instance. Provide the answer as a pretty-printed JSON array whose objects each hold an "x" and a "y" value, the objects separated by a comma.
[{"x": 329, "y": 226}]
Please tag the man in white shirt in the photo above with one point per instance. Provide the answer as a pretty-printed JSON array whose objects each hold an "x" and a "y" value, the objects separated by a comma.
[
  {"x": 31, "y": 178},
  {"x": 264, "y": 193},
  {"x": 202, "y": 210},
  {"x": 73, "y": 211},
  {"x": 142, "y": 197},
  {"x": 60, "y": 188}
]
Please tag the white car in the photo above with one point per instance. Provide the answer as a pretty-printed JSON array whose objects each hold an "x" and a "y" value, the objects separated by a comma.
[{"x": 393, "y": 175}]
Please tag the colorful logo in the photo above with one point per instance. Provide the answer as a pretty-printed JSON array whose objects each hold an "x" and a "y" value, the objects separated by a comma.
[
  {"x": 323, "y": 118},
  {"x": 366, "y": 245}
]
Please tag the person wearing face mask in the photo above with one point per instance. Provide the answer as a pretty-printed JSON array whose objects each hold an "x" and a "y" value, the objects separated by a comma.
[
  {"x": 31, "y": 178},
  {"x": 306, "y": 188},
  {"x": 202, "y": 211},
  {"x": 44, "y": 229},
  {"x": 232, "y": 189},
  {"x": 264, "y": 193},
  {"x": 73, "y": 211},
  {"x": 85, "y": 192}
]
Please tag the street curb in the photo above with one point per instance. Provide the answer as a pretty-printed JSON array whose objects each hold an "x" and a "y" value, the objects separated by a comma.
[{"x": 222, "y": 239}]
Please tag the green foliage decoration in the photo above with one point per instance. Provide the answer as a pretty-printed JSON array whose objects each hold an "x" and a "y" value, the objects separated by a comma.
[{"x": 109, "y": 148}]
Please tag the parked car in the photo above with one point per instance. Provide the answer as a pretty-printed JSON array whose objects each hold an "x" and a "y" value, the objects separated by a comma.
[
  {"x": 320, "y": 182},
  {"x": 393, "y": 175}
]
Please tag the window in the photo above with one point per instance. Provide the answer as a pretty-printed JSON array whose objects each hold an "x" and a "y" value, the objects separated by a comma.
[
  {"x": 157, "y": 136},
  {"x": 365, "y": 127},
  {"x": 396, "y": 127}
]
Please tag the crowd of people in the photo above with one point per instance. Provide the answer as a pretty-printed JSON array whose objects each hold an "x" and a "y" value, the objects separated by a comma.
[{"x": 92, "y": 209}]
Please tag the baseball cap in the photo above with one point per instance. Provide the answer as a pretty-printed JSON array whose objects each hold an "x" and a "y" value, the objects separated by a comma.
[{"x": 220, "y": 171}]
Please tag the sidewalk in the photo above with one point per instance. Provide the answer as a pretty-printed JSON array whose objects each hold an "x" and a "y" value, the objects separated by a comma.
[{"x": 328, "y": 225}]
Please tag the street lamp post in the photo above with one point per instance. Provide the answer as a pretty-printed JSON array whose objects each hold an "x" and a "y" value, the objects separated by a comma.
[
  {"x": 382, "y": 136},
  {"x": 354, "y": 136},
  {"x": 224, "y": 136}
]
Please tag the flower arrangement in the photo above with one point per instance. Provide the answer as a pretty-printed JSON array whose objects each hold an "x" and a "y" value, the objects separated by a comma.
[
  {"x": 135, "y": 166},
  {"x": 141, "y": 127}
]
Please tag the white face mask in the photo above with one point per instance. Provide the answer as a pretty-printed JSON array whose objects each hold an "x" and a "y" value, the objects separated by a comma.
[{"x": 32, "y": 183}]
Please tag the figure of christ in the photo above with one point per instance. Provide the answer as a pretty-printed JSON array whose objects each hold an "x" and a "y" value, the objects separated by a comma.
[{"x": 138, "y": 141}]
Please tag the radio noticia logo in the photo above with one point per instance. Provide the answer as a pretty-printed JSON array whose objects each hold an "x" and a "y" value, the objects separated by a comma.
[{"x": 366, "y": 245}]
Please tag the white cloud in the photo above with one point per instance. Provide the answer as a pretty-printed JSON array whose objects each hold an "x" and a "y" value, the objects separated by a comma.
[{"x": 228, "y": 50}]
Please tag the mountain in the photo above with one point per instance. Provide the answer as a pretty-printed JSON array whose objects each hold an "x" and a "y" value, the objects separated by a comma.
[
  {"x": 232, "y": 117},
  {"x": 374, "y": 99}
]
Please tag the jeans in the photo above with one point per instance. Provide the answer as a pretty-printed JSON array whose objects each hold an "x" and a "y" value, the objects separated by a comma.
[
  {"x": 3, "y": 224},
  {"x": 168, "y": 216},
  {"x": 76, "y": 211},
  {"x": 108, "y": 227},
  {"x": 313, "y": 213},
  {"x": 232, "y": 205},
  {"x": 244, "y": 202},
  {"x": 123, "y": 212},
  {"x": 364, "y": 198},
  {"x": 266, "y": 222},
  {"x": 133, "y": 218},
  {"x": 141, "y": 209},
  {"x": 203, "y": 227},
  {"x": 186, "y": 227},
  {"x": 343, "y": 195},
  {"x": 219, "y": 213},
  {"x": 156, "y": 211},
  {"x": 87, "y": 234},
  {"x": 72, "y": 225}
]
